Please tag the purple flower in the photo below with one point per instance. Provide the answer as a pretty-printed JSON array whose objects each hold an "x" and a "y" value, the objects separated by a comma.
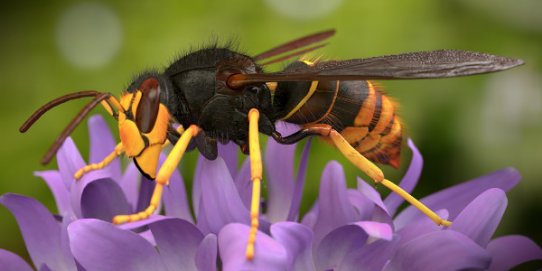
[{"x": 346, "y": 229}]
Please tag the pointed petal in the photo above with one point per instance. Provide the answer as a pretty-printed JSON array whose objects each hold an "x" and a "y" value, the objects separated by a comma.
[
  {"x": 175, "y": 200},
  {"x": 347, "y": 239},
  {"x": 198, "y": 182},
  {"x": 419, "y": 228},
  {"x": 279, "y": 160},
  {"x": 40, "y": 231},
  {"x": 299, "y": 182},
  {"x": 512, "y": 250},
  {"x": 145, "y": 193},
  {"x": 244, "y": 184},
  {"x": 77, "y": 188},
  {"x": 409, "y": 181},
  {"x": 129, "y": 183},
  {"x": 440, "y": 250},
  {"x": 207, "y": 253},
  {"x": 297, "y": 240},
  {"x": 58, "y": 188},
  {"x": 334, "y": 208},
  {"x": 98, "y": 245},
  {"x": 380, "y": 213},
  {"x": 232, "y": 241},
  {"x": 371, "y": 257},
  {"x": 228, "y": 152},
  {"x": 364, "y": 206},
  {"x": 178, "y": 241},
  {"x": 455, "y": 198},
  {"x": 480, "y": 218},
  {"x": 310, "y": 218},
  {"x": 12, "y": 262},
  {"x": 103, "y": 199},
  {"x": 102, "y": 144},
  {"x": 69, "y": 161},
  {"x": 219, "y": 198}
]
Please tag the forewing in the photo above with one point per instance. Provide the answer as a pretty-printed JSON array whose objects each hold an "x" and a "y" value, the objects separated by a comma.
[{"x": 418, "y": 65}]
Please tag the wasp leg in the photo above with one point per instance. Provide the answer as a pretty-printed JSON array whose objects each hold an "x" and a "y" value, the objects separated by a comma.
[
  {"x": 256, "y": 177},
  {"x": 293, "y": 138},
  {"x": 372, "y": 170},
  {"x": 119, "y": 149},
  {"x": 109, "y": 103},
  {"x": 162, "y": 178}
]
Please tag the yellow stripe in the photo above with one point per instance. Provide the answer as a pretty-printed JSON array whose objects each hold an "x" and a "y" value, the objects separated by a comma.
[
  {"x": 386, "y": 113},
  {"x": 354, "y": 134},
  {"x": 395, "y": 131},
  {"x": 367, "y": 108},
  {"x": 312, "y": 89},
  {"x": 369, "y": 142},
  {"x": 330, "y": 106}
]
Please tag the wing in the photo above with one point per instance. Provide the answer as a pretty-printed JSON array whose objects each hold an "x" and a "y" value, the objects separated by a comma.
[
  {"x": 294, "y": 45},
  {"x": 418, "y": 65}
]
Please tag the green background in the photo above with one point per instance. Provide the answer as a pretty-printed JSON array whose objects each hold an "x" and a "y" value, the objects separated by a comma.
[{"x": 464, "y": 127}]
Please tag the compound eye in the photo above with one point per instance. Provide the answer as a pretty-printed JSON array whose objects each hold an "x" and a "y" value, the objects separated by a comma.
[{"x": 147, "y": 109}]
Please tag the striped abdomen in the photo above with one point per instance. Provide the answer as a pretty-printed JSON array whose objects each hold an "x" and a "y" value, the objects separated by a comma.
[{"x": 364, "y": 116}]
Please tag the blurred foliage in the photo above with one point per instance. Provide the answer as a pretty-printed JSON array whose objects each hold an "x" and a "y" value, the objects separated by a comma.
[{"x": 463, "y": 127}]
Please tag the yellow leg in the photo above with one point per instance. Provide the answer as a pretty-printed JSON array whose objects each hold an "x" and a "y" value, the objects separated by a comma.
[
  {"x": 162, "y": 178},
  {"x": 256, "y": 177},
  {"x": 119, "y": 149},
  {"x": 373, "y": 171}
]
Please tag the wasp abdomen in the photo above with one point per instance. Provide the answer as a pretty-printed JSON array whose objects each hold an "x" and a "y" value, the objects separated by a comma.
[{"x": 362, "y": 114}]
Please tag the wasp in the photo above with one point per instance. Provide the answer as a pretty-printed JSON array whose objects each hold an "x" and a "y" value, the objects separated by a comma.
[{"x": 220, "y": 95}]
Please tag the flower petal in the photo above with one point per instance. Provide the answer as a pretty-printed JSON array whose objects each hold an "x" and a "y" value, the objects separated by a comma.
[
  {"x": 207, "y": 253},
  {"x": 146, "y": 189},
  {"x": 175, "y": 200},
  {"x": 243, "y": 183},
  {"x": 142, "y": 223},
  {"x": 102, "y": 144},
  {"x": 103, "y": 199},
  {"x": 512, "y": 250},
  {"x": 380, "y": 213},
  {"x": 130, "y": 182},
  {"x": 364, "y": 206},
  {"x": 280, "y": 179},
  {"x": 198, "y": 181},
  {"x": 286, "y": 128},
  {"x": 297, "y": 240},
  {"x": 455, "y": 198},
  {"x": 178, "y": 242},
  {"x": 69, "y": 160},
  {"x": 420, "y": 227},
  {"x": 370, "y": 257},
  {"x": 310, "y": 218},
  {"x": 228, "y": 152},
  {"x": 299, "y": 182},
  {"x": 98, "y": 245},
  {"x": 480, "y": 218},
  {"x": 232, "y": 242},
  {"x": 12, "y": 262},
  {"x": 220, "y": 203},
  {"x": 77, "y": 188},
  {"x": 440, "y": 250},
  {"x": 41, "y": 232},
  {"x": 334, "y": 208},
  {"x": 346, "y": 239},
  {"x": 59, "y": 190},
  {"x": 409, "y": 181}
]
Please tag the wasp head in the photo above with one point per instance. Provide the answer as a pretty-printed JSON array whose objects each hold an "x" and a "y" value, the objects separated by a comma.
[{"x": 143, "y": 123}]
